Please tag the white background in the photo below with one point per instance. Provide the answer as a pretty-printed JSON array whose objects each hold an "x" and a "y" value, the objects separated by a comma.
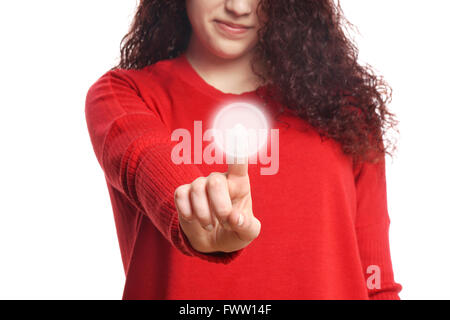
[{"x": 57, "y": 233}]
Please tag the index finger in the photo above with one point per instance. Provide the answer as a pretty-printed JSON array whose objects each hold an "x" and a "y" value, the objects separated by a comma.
[
  {"x": 239, "y": 166},
  {"x": 238, "y": 151}
]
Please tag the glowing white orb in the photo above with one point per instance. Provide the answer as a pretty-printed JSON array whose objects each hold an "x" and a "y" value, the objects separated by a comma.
[{"x": 240, "y": 130}]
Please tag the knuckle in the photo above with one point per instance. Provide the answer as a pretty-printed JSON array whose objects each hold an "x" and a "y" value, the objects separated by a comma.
[
  {"x": 199, "y": 180},
  {"x": 215, "y": 180},
  {"x": 198, "y": 186},
  {"x": 223, "y": 211},
  {"x": 180, "y": 192}
]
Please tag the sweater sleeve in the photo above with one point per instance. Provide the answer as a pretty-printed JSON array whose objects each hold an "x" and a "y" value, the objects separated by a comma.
[
  {"x": 372, "y": 229},
  {"x": 133, "y": 147}
]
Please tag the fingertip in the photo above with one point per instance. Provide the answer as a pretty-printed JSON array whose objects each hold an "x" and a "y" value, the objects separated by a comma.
[
  {"x": 208, "y": 228},
  {"x": 257, "y": 226},
  {"x": 185, "y": 218}
]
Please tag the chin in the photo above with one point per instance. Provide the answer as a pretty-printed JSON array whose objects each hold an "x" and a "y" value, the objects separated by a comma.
[{"x": 230, "y": 51}]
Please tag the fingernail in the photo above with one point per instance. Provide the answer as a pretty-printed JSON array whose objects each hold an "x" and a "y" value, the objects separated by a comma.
[
  {"x": 241, "y": 220},
  {"x": 209, "y": 227}
]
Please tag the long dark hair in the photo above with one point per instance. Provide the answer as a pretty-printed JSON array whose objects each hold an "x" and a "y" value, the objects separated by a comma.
[{"x": 305, "y": 52}]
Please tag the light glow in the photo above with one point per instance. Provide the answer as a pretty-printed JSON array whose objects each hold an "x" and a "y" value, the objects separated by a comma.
[{"x": 240, "y": 130}]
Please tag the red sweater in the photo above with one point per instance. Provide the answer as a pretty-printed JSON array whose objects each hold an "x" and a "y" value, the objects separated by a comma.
[{"x": 324, "y": 221}]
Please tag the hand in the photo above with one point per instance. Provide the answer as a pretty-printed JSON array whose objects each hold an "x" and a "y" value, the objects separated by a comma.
[{"x": 215, "y": 212}]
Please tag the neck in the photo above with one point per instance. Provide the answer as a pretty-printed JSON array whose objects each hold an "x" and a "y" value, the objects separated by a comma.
[{"x": 227, "y": 75}]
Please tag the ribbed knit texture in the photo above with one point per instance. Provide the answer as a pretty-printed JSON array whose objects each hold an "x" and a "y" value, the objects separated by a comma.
[{"x": 324, "y": 221}]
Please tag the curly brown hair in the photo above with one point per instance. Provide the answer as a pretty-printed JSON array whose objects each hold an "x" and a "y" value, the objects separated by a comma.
[{"x": 305, "y": 52}]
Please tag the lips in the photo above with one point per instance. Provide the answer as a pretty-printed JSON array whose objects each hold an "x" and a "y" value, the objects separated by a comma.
[
  {"x": 231, "y": 28},
  {"x": 234, "y": 25}
]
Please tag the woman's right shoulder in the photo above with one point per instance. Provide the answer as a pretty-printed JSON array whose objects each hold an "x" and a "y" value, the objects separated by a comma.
[
  {"x": 151, "y": 75},
  {"x": 158, "y": 69},
  {"x": 154, "y": 77}
]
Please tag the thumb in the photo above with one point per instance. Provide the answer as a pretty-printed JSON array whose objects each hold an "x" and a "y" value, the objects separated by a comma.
[{"x": 247, "y": 227}]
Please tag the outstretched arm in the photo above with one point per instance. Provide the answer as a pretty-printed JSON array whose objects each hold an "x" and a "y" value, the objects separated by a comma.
[{"x": 133, "y": 147}]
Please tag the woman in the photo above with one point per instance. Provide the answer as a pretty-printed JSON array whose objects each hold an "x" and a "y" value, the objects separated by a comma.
[{"x": 318, "y": 228}]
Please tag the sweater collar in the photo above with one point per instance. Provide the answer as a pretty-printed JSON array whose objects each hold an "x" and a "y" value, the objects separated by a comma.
[{"x": 189, "y": 75}]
